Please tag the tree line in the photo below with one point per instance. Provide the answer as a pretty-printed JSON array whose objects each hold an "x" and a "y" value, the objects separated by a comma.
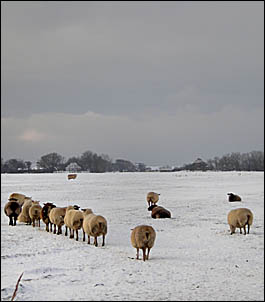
[
  {"x": 94, "y": 163},
  {"x": 52, "y": 162},
  {"x": 251, "y": 161}
]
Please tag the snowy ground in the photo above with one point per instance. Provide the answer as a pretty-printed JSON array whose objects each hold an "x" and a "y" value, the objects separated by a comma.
[{"x": 194, "y": 256}]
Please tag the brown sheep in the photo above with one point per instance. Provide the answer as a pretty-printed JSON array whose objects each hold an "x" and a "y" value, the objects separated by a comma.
[
  {"x": 143, "y": 237},
  {"x": 12, "y": 209},
  {"x": 44, "y": 215},
  {"x": 159, "y": 212},
  {"x": 233, "y": 197},
  {"x": 34, "y": 213},
  {"x": 56, "y": 216},
  {"x": 239, "y": 218},
  {"x": 95, "y": 226},
  {"x": 152, "y": 198}
]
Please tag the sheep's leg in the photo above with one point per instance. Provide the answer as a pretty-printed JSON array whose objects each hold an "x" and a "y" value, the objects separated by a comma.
[
  {"x": 71, "y": 233},
  {"x": 240, "y": 231},
  {"x": 248, "y": 228},
  {"x": 50, "y": 226},
  {"x": 10, "y": 220},
  {"x": 84, "y": 235},
  {"x": 88, "y": 240},
  {"x": 244, "y": 227},
  {"x": 103, "y": 240},
  {"x": 66, "y": 230},
  {"x": 148, "y": 251},
  {"x": 33, "y": 223},
  {"x": 95, "y": 241},
  {"x": 54, "y": 229},
  {"x": 47, "y": 227},
  {"x": 15, "y": 220},
  {"x": 143, "y": 253},
  {"x": 76, "y": 235},
  {"x": 232, "y": 229},
  {"x": 137, "y": 253},
  {"x": 58, "y": 231}
]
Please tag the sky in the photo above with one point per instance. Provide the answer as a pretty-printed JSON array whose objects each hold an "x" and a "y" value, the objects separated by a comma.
[{"x": 157, "y": 82}]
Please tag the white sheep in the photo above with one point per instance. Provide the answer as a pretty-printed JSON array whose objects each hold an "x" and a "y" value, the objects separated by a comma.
[
  {"x": 73, "y": 220},
  {"x": 239, "y": 218},
  {"x": 152, "y": 198},
  {"x": 12, "y": 209},
  {"x": 34, "y": 213},
  {"x": 24, "y": 215},
  {"x": 95, "y": 226},
  {"x": 143, "y": 237},
  {"x": 56, "y": 217}
]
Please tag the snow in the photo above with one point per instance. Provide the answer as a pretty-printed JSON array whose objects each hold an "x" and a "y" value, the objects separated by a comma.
[{"x": 194, "y": 256}]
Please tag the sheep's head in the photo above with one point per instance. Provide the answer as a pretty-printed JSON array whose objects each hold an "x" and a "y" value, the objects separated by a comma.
[
  {"x": 76, "y": 207},
  {"x": 12, "y": 199},
  {"x": 151, "y": 207},
  {"x": 87, "y": 211}
]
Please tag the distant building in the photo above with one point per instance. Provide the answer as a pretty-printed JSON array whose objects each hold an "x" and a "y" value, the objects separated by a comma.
[
  {"x": 197, "y": 165},
  {"x": 166, "y": 169},
  {"x": 73, "y": 167}
]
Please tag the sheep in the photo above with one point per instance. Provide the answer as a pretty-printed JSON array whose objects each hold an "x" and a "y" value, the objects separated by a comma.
[
  {"x": 73, "y": 220},
  {"x": 233, "y": 197},
  {"x": 21, "y": 198},
  {"x": 34, "y": 212},
  {"x": 152, "y": 198},
  {"x": 24, "y": 215},
  {"x": 95, "y": 226},
  {"x": 56, "y": 217},
  {"x": 12, "y": 209},
  {"x": 159, "y": 212},
  {"x": 44, "y": 215},
  {"x": 71, "y": 176},
  {"x": 143, "y": 237},
  {"x": 239, "y": 218}
]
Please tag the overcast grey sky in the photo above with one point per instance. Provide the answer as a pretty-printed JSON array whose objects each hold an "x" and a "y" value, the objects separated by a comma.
[{"x": 154, "y": 82}]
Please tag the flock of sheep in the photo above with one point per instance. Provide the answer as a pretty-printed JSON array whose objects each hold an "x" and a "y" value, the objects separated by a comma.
[{"x": 24, "y": 209}]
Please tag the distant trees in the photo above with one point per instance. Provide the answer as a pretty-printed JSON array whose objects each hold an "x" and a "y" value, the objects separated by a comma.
[
  {"x": 28, "y": 165},
  {"x": 252, "y": 161},
  {"x": 91, "y": 162},
  {"x": 12, "y": 165},
  {"x": 122, "y": 165},
  {"x": 51, "y": 162}
]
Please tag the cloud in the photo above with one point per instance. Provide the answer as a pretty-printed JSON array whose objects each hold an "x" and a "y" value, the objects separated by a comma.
[
  {"x": 163, "y": 138},
  {"x": 32, "y": 135}
]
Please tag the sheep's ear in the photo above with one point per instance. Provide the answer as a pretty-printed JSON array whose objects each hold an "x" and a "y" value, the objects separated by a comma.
[{"x": 83, "y": 210}]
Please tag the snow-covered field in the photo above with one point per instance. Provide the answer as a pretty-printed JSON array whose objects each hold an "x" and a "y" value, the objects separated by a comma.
[{"x": 194, "y": 256}]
